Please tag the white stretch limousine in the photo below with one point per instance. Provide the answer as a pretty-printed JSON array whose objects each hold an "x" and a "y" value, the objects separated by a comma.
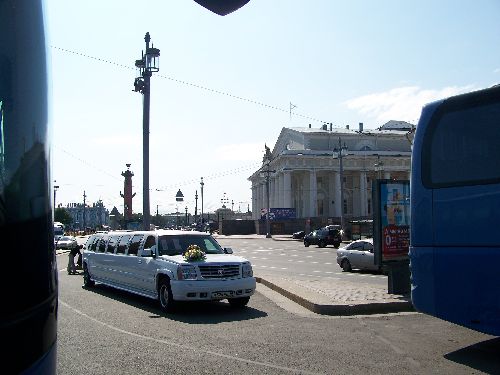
[{"x": 154, "y": 265}]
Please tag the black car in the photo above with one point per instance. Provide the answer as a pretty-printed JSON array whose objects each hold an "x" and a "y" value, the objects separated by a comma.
[
  {"x": 298, "y": 235},
  {"x": 330, "y": 235}
]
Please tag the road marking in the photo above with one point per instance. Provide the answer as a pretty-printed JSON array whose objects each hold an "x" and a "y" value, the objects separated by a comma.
[{"x": 186, "y": 347}]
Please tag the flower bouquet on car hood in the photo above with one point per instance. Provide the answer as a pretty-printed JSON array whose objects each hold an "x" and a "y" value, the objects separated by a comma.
[{"x": 194, "y": 253}]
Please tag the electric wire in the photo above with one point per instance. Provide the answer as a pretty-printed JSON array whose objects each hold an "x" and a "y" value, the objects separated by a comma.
[{"x": 198, "y": 86}]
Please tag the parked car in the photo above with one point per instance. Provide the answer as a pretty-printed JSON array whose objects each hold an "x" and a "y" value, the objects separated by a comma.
[
  {"x": 359, "y": 255},
  {"x": 66, "y": 243},
  {"x": 329, "y": 235},
  {"x": 298, "y": 235}
]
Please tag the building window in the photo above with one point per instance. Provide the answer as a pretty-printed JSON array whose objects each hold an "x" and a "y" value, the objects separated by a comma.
[
  {"x": 345, "y": 206},
  {"x": 369, "y": 206}
]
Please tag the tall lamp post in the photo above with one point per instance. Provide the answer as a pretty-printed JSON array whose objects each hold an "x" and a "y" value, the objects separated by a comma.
[
  {"x": 186, "y": 220},
  {"x": 55, "y": 190},
  {"x": 196, "y": 207},
  {"x": 265, "y": 173},
  {"x": 340, "y": 153},
  {"x": 202, "y": 184},
  {"x": 148, "y": 64}
]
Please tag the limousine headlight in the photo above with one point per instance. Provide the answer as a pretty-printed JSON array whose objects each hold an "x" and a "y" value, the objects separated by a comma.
[
  {"x": 186, "y": 273},
  {"x": 246, "y": 270}
]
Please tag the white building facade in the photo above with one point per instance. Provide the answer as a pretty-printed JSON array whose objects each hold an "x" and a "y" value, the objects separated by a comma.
[{"x": 305, "y": 169}]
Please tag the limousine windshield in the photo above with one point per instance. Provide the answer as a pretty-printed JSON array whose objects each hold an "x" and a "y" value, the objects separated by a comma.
[{"x": 177, "y": 245}]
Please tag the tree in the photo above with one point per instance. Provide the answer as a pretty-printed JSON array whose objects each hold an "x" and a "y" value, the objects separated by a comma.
[{"x": 63, "y": 216}]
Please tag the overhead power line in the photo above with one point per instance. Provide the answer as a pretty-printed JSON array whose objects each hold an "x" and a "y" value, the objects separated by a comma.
[{"x": 186, "y": 83}]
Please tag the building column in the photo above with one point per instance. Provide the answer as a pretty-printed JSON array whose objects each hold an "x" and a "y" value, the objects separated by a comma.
[
  {"x": 286, "y": 191},
  {"x": 254, "y": 201},
  {"x": 272, "y": 186},
  {"x": 313, "y": 193},
  {"x": 338, "y": 200},
  {"x": 279, "y": 190},
  {"x": 363, "y": 194}
]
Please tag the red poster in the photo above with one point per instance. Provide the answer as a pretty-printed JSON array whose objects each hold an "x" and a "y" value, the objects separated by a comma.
[{"x": 395, "y": 242}]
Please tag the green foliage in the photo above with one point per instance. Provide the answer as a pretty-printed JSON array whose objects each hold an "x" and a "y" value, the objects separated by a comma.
[{"x": 63, "y": 216}]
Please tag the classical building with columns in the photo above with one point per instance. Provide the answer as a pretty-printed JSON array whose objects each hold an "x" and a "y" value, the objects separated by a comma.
[{"x": 305, "y": 169}]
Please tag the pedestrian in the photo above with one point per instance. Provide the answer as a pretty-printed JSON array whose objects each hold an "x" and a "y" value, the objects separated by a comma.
[{"x": 71, "y": 260}]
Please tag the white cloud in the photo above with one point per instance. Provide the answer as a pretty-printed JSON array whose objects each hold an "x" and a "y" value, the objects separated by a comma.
[{"x": 401, "y": 103}]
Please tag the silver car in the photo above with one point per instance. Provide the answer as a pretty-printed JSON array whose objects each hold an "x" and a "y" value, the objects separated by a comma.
[
  {"x": 358, "y": 254},
  {"x": 66, "y": 242}
]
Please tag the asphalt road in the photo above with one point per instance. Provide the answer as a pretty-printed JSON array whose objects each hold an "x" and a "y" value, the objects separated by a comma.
[
  {"x": 293, "y": 259},
  {"x": 104, "y": 331}
]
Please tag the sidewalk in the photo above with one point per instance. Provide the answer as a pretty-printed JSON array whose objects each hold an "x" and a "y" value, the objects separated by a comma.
[{"x": 337, "y": 297}]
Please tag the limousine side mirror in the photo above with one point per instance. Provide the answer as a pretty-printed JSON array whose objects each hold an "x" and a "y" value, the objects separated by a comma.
[{"x": 228, "y": 250}]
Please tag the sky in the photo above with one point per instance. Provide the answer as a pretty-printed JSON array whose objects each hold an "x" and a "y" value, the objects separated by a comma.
[{"x": 225, "y": 84}]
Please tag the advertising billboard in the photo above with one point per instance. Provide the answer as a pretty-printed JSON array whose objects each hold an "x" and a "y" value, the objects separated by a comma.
[{"x": 391, "y": 220}]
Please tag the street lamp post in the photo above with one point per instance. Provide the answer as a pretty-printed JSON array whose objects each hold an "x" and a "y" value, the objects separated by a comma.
[
  {"x": 146, "y": 66},
  {"x": 202, "y": 184},
  {"x": 55, "y": 190},
  {"x": 186, "y": 220},
  {"x": 340, "y": 153},
  {"x": 196, "y": 206}
]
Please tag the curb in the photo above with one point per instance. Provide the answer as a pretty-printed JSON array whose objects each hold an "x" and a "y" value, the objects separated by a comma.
[{"x": 341, "y": 309}]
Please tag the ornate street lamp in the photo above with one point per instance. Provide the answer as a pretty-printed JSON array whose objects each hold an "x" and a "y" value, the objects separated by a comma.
[
  {"x": 202, "y": 184},
  {"x": 266, "y": 161},
  {"x": 340, "y": 153},
  {"x": 148, "y": 64}
]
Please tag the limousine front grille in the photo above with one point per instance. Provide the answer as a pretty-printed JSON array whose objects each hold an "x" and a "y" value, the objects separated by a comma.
[{"x": 220, "y": 271}]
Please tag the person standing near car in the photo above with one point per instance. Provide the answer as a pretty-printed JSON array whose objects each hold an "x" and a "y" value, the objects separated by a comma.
[{"x": 71, "y": 260}]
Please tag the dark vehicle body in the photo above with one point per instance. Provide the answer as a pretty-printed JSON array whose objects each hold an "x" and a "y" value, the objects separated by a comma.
[
  {"x": 330, "y": 235},
  {"x": 299, "y": 235},
  {"x": 28, "y": 328}
]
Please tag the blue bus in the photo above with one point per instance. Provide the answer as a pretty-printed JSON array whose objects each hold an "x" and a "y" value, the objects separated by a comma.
[{"x": 455, "y": 211}]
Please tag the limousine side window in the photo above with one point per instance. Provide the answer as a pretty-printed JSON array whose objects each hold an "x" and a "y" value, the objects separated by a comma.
[
  {"x": 93, "y": 243},
  {"x": 113, "y": 240},
  {"x": 150, "y": 241},
  {"x": 122, "y": 246},
  {"x": 102, "y": 244},
  {"x": 134, "y": 245}
]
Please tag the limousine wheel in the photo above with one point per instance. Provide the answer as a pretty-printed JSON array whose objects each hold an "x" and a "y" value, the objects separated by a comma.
[
  {"x": 165, "y": 296},
  {"x": 87, "y": 281},
  {"x": 238, "y": 302}
]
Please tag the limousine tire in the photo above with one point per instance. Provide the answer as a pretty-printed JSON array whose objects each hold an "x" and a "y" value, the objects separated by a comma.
[
  {"x": 87, "y": 281},
  {"x": 238, "y": 302},
  {"x": 165, "y": 296}
]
